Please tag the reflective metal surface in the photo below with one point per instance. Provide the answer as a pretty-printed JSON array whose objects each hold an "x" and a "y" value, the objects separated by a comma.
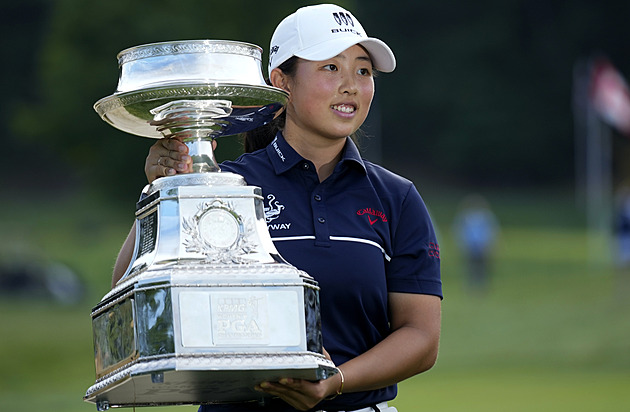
[
  {"x": 207, "y": 308},
  {"x": 131, "y": 112},
  {"x": 195, "y": 90},
  {"x": 189, "y": 62}
]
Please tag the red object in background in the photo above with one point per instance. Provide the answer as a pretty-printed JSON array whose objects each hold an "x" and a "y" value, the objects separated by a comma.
[{"x": 610, "y": 95}]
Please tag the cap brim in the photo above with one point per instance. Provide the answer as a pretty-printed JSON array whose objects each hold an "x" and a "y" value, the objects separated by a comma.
[{"x": 382, "y": 56}]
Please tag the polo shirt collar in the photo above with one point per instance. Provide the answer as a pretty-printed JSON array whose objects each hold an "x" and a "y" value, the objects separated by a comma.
[
  {"x": 351, "y": 155},
  {"x": 284, "y": 157}
]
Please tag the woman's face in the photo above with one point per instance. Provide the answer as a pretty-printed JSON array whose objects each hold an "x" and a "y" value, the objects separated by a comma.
[{"x": 330, "y": 99}]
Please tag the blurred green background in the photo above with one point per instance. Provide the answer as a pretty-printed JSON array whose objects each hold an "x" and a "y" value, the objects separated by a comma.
[{"x": 481, "y": 102}]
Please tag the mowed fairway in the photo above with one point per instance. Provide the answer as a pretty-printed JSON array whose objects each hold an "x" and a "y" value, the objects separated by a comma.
[{"x": 552, "y": 333}]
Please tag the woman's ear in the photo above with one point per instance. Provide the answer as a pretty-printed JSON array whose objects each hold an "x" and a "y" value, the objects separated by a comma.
[{"x": 279, "y": 79}]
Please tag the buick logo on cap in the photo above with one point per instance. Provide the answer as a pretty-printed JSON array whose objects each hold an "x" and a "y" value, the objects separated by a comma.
[
  {"x": 343, "y": 19},
  {"x": 345, "y": 22}
]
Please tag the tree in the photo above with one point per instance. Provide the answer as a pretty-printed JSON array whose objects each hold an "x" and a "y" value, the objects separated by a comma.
[
  {"x": 482, "y": 92},
  {"x": 77, "y": 66}
]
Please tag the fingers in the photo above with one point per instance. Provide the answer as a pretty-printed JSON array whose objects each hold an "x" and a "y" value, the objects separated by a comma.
[
  {"x": 164, "y": 164},
  {"x": 167, "y": 157},
  {"x": 173, "y": 145},
  {"x": 288, "y": 392},
  {"x": 173, "y": 163},
  {"x": 302, "y": 395},
  {"x": 174, "y": 154}
]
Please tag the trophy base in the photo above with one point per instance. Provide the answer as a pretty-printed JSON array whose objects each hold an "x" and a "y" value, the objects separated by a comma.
[
  {"x": 205, "y": 334},
  {"x": 188, "y": 380}
]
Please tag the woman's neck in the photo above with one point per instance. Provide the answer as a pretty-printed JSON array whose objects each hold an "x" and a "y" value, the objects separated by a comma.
[{"x": 324, "y": 153}]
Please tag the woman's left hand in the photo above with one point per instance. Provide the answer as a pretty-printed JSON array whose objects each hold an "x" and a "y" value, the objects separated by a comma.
[{"x": 299, "y": 393}]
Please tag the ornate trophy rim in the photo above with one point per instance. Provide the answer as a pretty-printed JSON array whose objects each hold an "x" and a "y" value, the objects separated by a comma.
[
  {"x": 108, "y": 107},
  {"x": 188, "y": 46}
]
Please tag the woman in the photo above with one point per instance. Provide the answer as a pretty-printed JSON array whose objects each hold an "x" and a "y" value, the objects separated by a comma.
[{"x": 361, "y": 231}]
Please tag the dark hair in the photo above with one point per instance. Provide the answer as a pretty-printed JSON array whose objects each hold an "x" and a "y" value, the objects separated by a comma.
[{"x": 261, "y": 137}]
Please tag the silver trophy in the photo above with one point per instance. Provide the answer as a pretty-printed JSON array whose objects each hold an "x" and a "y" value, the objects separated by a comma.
[{"x": 207, "y": 308}]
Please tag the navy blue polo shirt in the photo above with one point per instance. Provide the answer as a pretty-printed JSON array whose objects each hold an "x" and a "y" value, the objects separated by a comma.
[{"x": 361, "y": 233}]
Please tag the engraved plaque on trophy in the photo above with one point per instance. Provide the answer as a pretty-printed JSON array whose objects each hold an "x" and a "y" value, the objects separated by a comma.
[{"x": 207, "y": 307}]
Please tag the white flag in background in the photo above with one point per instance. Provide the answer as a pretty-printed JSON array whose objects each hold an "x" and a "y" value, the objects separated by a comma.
[{"x": 610, "y": 95}]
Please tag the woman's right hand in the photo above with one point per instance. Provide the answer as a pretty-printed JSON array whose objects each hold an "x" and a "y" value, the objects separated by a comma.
[{"x": 167, "y": 157}]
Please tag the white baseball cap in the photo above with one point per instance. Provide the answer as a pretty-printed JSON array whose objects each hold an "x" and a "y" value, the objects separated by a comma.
[{"x": 321, "y": 32}]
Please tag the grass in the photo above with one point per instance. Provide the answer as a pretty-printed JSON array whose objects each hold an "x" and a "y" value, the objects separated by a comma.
[
  {"x": 550, "y": 334},
  {"x": 517, "y": 389}
]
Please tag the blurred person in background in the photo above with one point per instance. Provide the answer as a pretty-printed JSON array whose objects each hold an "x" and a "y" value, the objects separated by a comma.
[
  {"x": 621, "y": 233},
  {"x": 475, "y": 228},
  {"x": 361, "y": 231},
  {"x": 622, "y": 228}
]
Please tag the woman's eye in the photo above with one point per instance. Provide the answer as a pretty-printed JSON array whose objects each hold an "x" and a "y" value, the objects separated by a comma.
[
  {"x": 330, "y": 67},
  {"x": 365, "y": 72}
]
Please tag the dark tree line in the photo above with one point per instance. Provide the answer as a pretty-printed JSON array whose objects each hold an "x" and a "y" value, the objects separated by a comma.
[{"x": 482, "y": 92}]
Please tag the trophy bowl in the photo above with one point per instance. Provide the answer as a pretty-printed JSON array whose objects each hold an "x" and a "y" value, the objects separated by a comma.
[
  {"x": 207, "y": 307},
  {"x": 195, "y": 90}
]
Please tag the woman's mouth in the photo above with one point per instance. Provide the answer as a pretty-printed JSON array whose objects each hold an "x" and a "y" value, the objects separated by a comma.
[{"x": 344, "y": 108}]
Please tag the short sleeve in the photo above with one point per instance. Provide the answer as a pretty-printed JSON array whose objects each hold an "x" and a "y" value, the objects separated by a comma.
[{"x": 415, "y": 262}]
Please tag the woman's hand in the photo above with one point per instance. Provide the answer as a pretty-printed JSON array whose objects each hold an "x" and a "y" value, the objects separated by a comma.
[
  {"x": 167, "y": 157},
  {"x": 302, "y": 394}
]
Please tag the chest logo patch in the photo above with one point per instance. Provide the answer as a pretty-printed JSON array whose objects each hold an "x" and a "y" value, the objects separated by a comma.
[
  {"x": 272, "y": 212},
  {"x": 372, "y": 215}
]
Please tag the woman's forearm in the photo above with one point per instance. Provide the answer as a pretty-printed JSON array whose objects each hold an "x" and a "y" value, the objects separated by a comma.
[
  {"x": 411, "y": 348},
  {"x": 124, "y": 256}
]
